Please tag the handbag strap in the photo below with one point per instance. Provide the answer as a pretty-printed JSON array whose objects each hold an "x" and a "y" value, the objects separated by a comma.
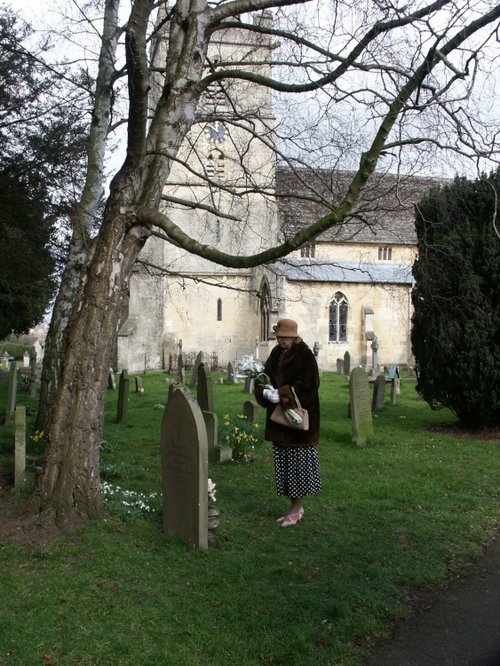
[{"x": 296, "y": 399}]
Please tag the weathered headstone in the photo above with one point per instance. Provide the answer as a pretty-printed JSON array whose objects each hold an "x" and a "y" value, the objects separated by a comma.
[
  {"x": 204, "y": 391},
  {"x": 138, "y": 386},
  {"x": 347, "y": 363},
  {"x": 231, "y": 374},
  {"x": 111, "y": 379},
  {"x": 184, "y": 465},
  {"x": 361, "y": 414},
  {"x": 340, "y": 366},
  {"x": 26, "y": 359},
  {"x": 123, "y": 387},
  {"x": 181, "y": 362},
  {"x": 11, "y": 392},
  {"x": 378, "y": 393},
  {"x": 251, "y": 411},
  {"x": 200, "y": 358},
  {"x": 20, "y": 447}
]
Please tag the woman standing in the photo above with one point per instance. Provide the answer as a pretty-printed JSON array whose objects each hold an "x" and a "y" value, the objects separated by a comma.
[{"x": 291, "y": 364}]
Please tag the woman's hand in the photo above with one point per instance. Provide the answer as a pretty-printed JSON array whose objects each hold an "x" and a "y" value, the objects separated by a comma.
[{"x": 271, "y": 394}]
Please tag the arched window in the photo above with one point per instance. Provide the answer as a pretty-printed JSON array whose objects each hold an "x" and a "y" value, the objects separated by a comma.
[
  {"x": 219, "y": 309},
  {"x": 338, "y": 318},
  {"x": 265, "y": 309}
]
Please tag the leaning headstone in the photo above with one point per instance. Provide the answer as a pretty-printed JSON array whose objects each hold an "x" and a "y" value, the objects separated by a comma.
[
  {"x": 347, "y": 363},
  {"x": 340, "y": 366},
  {"x": 111, "y": 379},
  {"x": 184, "y": 467},
  {"x": 378, "y": 393},
  {"x": 204, "y": 391},
  {"x": 251, "y": 411},
  {"x": 20, "y": 448},
  {"x": 11, "y": 392},
  {"x": 200, "y": 358},
  {"x": 361, "y": 413},
  {"x": 123, "y": 386}
]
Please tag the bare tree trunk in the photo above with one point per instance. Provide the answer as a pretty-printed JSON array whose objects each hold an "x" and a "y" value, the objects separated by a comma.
[{"x": 70, "y": 486}]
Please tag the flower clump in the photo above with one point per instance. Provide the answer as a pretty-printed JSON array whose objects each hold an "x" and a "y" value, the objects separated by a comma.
[
  {"x": 128, "y": 504},
  {"x": 211, "y": 491},
  {"x": 242, "y": 436}
]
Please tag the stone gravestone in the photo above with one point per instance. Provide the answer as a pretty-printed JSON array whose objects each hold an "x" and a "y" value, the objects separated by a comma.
[
  {"x": 395, "y": 382},
  {"x": 231, "y": 374},
  {"x": 123, "y": 386},
  {"x": 26, "y": 359},
  {"x": 347, "y": 363},
  {"x": 251, "y": 411},
  {"x": 200, "y": 358},
  {"x": 378, "y": 393},
  {"x": 111, "y": 379},
  {"x": 184, "y": 467},
  {"x": 204, "y": 391},
  {"x": 181, "y": 362},
  {"x": 361, "y": 414},
  {"x": 340, "y": 366},
  {"x": 138, "y": 386},
  {"x": 249, "y": 383},
  {"x": 20, "y": 448},
  {"x": 11, "y": 392}
]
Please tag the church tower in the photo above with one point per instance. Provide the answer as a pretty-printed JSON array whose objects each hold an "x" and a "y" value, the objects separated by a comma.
[{"x": 220, "y": 192}]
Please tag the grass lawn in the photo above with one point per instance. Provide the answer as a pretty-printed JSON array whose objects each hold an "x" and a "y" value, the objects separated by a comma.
[{"x": 407, "y": 511}]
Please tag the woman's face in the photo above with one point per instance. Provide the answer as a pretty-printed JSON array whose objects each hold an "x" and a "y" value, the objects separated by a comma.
[{"x": 285, "y": 343}]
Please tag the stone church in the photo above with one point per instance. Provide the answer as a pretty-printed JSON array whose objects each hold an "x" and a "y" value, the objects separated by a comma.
[{"x": 228, "y": 190}]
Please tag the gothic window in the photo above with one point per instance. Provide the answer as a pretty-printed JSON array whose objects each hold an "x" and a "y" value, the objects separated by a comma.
[
  {"x": 338, "y": 318},
  {"x": 219, "y": 309},
  {"x": 265, "y": 309},
  {"x": 385, "y": 253},
  {"x": 215, "y": 166},
  {"x": 308, "y": 250}
]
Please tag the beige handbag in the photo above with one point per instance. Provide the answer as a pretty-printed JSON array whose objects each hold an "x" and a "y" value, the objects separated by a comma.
[{"x": 296, "y": 418}]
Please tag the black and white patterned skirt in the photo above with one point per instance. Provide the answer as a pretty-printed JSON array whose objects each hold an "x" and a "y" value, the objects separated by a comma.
[{"x": 296, "y": 471}]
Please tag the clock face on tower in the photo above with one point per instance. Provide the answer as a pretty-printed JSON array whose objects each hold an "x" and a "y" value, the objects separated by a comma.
[{"x": 216, "y": 132}]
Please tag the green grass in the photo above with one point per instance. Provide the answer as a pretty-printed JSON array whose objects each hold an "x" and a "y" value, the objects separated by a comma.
[{"x": 409, "y": 510}]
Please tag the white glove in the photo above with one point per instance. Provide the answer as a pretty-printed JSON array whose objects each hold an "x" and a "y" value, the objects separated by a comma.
[{"x": 272, "y": 395}]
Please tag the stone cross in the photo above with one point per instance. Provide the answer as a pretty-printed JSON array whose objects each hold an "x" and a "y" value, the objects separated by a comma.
[{"x": 184, "y": 471}]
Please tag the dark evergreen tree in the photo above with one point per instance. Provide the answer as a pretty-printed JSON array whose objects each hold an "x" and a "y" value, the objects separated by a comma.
[
  {"x": 456, "y": 299},
  {"x": 27, "y": 267},
  {"x": 42, "y": 144}
]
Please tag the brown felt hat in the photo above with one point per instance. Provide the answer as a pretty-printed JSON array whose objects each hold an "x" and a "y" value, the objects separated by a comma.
[{"x": 286, "y": 328}]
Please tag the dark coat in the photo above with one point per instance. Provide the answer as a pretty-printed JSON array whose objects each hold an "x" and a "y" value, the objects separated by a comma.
[{"x": 297, "y": 368}]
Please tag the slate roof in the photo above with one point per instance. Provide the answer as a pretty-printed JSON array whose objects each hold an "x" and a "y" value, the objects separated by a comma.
[
  {"x": 385, "y": 213},
  {"x": 314, "y": 270}
]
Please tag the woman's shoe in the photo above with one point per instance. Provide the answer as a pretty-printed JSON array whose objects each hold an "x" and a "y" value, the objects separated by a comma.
[{"x": 292, "y": 518}]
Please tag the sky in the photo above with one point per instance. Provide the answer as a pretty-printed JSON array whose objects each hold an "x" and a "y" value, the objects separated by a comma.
[{"x": 48, "y": 15}]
